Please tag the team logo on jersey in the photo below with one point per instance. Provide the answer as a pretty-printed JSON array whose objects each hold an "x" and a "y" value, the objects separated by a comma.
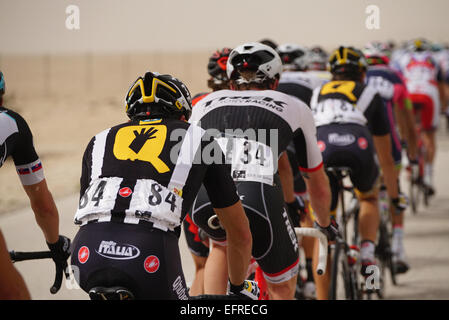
[
  {"x": 83, "y": 254},
  {"x": 125, "y": 192},
  {"x": 321, "y": 145},
  {"x": 151, "y": 264},
  {"x": 144, "y": 143},
  {"x": 113, "y": 250},
  {"x": 239, "y": 174},
  {"x": 341, "y": 140},
  {"x": 363, "y": 143},
  {"x": 36, "y": 167}
]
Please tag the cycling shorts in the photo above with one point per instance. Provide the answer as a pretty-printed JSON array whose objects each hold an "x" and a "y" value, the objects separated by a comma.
[
  {"x": 275, "y": 246},
  {"x": 427, "y": 105},
  {"x": 193, "y": 240},
  {"x": 349, "y": 145},
  {"x": 138, "y": 257}
]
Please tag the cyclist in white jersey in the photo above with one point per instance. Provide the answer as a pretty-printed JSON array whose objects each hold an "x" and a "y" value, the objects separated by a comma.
[
  {"x": 16, "y": 140},
  {"x": 425, "y": 84},
  {"x": 275, "y": 119}
]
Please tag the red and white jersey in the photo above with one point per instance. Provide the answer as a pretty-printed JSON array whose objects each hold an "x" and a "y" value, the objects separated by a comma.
[{"x": 420, "y": 70}]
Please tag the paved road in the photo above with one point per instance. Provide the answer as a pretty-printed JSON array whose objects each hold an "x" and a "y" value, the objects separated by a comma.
[{"x": 426, "y": 241}]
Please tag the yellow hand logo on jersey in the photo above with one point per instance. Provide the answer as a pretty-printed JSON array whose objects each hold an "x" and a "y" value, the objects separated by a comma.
[
  {"x": 144, "y": 143},
  {"x": 343, "y": 87}
]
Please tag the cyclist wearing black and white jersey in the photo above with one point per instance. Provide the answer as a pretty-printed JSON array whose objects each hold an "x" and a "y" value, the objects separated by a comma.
[
  {"x": 16, "y": 140},
  {"x": 138, "y": 181},
  {"x": 351, "y": 127},
  {"x": 254, "y": 124}
]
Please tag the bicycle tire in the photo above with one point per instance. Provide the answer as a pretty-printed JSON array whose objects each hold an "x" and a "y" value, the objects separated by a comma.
[
  {"x": 340, "y": 271},
  {"x": 414, "y": 195}
]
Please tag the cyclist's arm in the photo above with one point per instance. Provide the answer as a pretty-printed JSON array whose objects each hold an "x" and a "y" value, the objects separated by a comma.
[
  {"x": 44, "y": 209},
  {"x": 31, "y": 174},
  {"x": 12, "y": 285},
  {"x": 223, "y": 195},
  {"x": 286, "y": 176},
  {"x": 406, "y": 121},
  {"x": 239, "y": 241},
  {"x": 318, "y": 188},
  {"x": 310, "y": 163},
  {"x": 380, "y": 129}
]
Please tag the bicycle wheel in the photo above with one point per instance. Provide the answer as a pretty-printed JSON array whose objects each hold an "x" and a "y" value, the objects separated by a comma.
[
  {"x": 340, "y": 287},
  {"x": 414, "y": 194}
]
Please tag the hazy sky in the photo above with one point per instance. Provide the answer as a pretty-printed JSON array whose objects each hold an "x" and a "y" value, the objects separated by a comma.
[{"x": 39, "y": 26}]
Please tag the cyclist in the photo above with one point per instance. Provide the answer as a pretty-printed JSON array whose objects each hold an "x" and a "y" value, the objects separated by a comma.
[
  {"x": 138, "y": 180},
  {"x": 351, "y": 127},
  {"x": 16, "y": 140},
  {"x": 317, "y": 66},
  {"x": 197, "y": 241},
  {"x": 425, "y": 84},
  {"x": 294, "y": 80},
  {"x": 400, "y": 111},
  {"x": 255, "y": 124}
]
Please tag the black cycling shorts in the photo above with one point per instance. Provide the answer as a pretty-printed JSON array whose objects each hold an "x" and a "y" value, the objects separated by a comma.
[
  {"x": 193, "y": 240},
  {"x": 144, "y": 260},
  {"x": 349, "y": 145},
  {"x": 275, "y": 246}
]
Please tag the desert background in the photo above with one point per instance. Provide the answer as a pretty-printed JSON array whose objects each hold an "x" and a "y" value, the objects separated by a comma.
[{"x": 70, "y": 84}]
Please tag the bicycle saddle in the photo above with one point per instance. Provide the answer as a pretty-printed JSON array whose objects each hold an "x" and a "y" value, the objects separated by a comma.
[{"x": 110, "y": 293}]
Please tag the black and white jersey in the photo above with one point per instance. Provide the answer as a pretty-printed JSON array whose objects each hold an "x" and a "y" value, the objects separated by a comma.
[
  {"x": 255, "y": 127},
  {"x": 151, "y": 170},
  {"x": 16, "y": 141},
  {"x": 298, "y": 84},
  {"x": 350, "y": 102}
]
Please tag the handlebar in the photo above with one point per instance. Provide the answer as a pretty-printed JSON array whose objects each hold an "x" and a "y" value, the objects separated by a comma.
[
  {"x": 322, "y": 253},
  {"x": 23, "y": 256}
]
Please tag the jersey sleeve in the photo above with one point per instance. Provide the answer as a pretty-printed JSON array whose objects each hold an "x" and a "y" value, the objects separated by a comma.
[
  {"x": 86, "y": 168},
  {"x": 27, "y": 162},
  {"x": 218, "y": 182},
  {"x": 306, "y": 145}
]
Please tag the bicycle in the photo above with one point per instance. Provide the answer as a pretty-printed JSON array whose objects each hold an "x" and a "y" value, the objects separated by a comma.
[
  {"x": 345, "y": 264},
  {"x": 383, "y": 251},
  {"x": 122, "y": 293},
  {"x": 23, "y": 256}
]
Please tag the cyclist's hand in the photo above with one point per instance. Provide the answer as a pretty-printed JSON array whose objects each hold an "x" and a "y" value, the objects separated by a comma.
[
  {"x": 330, "y": 231},
  {"x": 248, "y": 290},
  {"x": 296, "y": 210},
  {"x": 400, "y": 203},
  {"x": 61, "y": 252}
]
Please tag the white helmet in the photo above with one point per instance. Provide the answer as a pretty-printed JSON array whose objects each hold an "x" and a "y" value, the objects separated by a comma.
[
  {"x": 257, "y": 57},
  {"x": 293, "y": 56}
]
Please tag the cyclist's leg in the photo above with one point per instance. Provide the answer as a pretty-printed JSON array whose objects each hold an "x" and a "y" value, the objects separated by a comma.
[
  {"x": 365, "y": 179},
  {"x": 429, "y": 123},
  {"x": 216, "y": 270},
  {"x": 275, "y": 246},
  {"x": 199, "y": 252}
]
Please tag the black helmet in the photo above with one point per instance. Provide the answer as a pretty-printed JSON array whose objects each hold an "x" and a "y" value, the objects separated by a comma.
[
  {"x": 347, "y": 60},
  {"x": 155, "y": 95},
  {"x": 217, "y": 67}
]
